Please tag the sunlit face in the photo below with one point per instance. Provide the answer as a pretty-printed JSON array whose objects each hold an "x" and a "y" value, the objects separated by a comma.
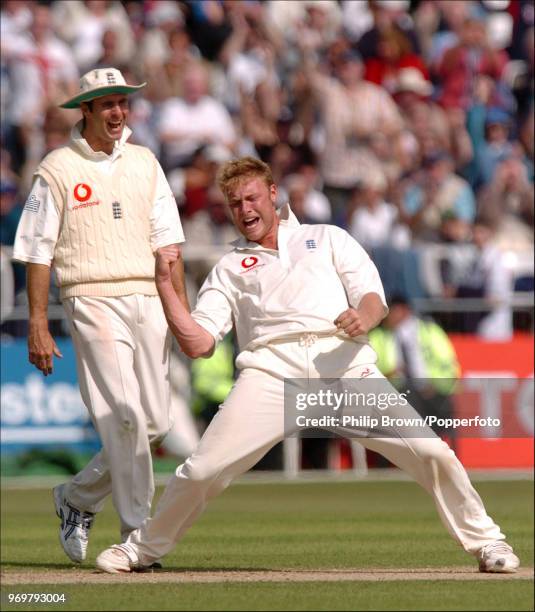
[
  {"x": 252, "y": 208},
  {"x": 106, "y": 120}
]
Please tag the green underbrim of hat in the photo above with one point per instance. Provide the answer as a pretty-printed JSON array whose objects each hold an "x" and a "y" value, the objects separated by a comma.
[{"x": 99, "y": 93}]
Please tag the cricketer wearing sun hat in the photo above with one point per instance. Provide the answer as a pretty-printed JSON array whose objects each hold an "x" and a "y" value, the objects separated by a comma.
[{"x": 98, "y": 211}]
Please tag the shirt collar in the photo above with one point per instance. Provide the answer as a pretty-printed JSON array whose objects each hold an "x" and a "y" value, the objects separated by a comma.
[
  {"x": 287, "y": 219},
  {"x": 83, "y": 146}
]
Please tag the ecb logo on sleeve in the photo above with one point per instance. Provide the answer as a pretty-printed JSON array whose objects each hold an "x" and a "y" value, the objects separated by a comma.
[{"x": 32, "y": 204}]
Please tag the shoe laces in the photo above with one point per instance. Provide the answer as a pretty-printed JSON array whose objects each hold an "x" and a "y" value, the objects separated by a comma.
[
  {"x": 496, "y": 547},
  {"x": 130, "y": 555},
  {"x": 76, "y": 519},
  {"x": 79, "y": 517}
]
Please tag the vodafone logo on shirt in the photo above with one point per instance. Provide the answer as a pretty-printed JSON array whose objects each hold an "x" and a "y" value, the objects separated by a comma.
[
  {"x": 82, "y": 193},
  {"x": 250, "y": 263}
]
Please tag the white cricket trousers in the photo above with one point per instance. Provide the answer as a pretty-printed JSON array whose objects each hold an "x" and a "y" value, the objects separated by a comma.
[
  {"x": 122, "y": 349},
  {"x": 251, "y": 422}
]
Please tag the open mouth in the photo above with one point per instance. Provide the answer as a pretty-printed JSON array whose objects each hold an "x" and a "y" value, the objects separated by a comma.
[
  {"x": 251, "y": 222},
  {"x": 115, "y": 125}
]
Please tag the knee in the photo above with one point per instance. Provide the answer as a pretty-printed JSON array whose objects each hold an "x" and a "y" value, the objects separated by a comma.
[
  {"x": 437, "y": 452},
  {"x": 200, "y": 470},
  {"x": 157, "y": 432}
]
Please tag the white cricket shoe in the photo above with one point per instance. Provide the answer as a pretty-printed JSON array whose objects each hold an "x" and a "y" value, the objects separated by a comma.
[
  {"x": 74, "y": 528},
  {"x": 117, "y": 559},
  {"x": 498, "y": 557}
]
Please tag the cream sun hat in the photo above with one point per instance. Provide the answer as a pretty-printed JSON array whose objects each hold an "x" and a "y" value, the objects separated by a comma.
[{"x": 100, "y": 82}]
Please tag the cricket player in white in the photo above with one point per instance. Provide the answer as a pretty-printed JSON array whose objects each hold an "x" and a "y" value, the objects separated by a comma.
[
  {"x": 98, "y": 211},
  {"x": 301, "y": 299}
]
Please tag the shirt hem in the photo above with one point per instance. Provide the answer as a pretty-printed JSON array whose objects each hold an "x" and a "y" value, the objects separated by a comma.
[
  {"x": 109, "y": 288},
  {"x": 30, "y": 259}
]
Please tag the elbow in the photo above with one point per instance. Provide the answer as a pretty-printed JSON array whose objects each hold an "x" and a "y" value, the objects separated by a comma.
[{"x": 204, "y": 349}]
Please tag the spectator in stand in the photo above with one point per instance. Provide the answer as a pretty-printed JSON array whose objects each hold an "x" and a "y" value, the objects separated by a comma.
[
  {"x": 424, "y": 120},
  {"x": 10, "y": 211},
  {"x": 201, "y": 203},
  {"x": 506, "y": 204},
  {"x": 83, "y": 24},
  {"x": 439, "y": 24},
  {"x": 471, "y": 57},
  {"x": 432, "y": 126},
  {"x": 317, "y": 21},
  {"x": 163, "y": 19},
  {"x": 321, "y": 23},
  {"x": 496, "y": 146},
  {"x": 454, "y": 230},
  {"x": 357, "y": 19},
  {"x": 374, "y": 222},
  {"x": 488, "y": 277},
  {"x": 53, "y": 133},
  {"x": 15, "y": 18},
  {"x": 13, "y": 276},
  {"x": 41, "y": 71},
  {"x": 387, "y": 14},
  {"x": 308, "y": 204},
  {"x": 181, "y": 55},
  {"x": 434, "y": 191},
  {"x": 523, "y": 84},
  {"x": 351, "y": 111},
  {"x": 197, "y": 119},
  {"x": 249, "y": 57},
  {"x": 110, "y": 50},
  {"x": 394, "y": 53},
  {"x": 208, "y": 26}
]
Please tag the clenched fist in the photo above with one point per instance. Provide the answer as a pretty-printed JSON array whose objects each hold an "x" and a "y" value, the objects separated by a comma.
[
  {"x": 353, "y": 322},
  {"x": 166, "y": 258}
]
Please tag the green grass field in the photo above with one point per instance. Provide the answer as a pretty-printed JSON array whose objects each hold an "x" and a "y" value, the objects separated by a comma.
[{"x": 308, "y": 526}]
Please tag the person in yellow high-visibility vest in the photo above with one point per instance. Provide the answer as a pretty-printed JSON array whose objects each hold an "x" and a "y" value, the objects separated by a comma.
[
  {"x": 212, "y": 380},
  {"x": 418, "y": 354}
]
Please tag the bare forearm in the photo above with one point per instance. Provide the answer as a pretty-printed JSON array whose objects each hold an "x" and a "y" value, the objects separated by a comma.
[
  {"x": 38, "y": 283},
  {"x": 193, "y": 339},
  {"x": 41, "y": 345},
  {"x": 179, "y": 284},
  {"x": 372, "y": 310}
]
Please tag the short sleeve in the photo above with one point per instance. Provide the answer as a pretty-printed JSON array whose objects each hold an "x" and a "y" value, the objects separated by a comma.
[
  {"x": 38, "y": 229},
  {"x": 355, "y": 268},
  {"x": 213, "y": 311},
  {"x": 166, "y": 227}
]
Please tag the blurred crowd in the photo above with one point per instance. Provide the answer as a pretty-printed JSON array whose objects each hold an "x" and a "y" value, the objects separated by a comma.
[{"x": 409, "y": 123}]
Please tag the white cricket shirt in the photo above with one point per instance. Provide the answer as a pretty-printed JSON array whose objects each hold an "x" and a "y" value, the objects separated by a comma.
[
  {"x": 39, "y": 225},
  {"x": 317, "y": 272}
]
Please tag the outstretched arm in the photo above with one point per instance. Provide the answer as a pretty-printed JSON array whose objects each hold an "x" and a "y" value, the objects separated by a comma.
[{"x": 193, "y": 339}]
